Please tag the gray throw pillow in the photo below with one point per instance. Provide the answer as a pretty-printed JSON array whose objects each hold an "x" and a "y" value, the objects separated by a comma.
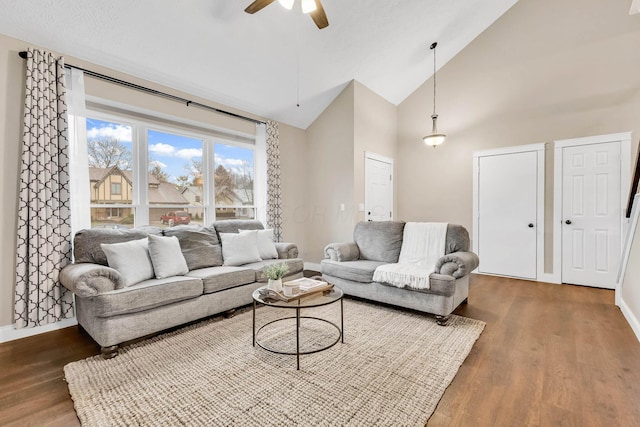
[
  {"x": 131, "y": 259},
  {"x": 86, "y": 243},
  {"x": 239, "y": 249},
  {"x": 200, "y": 245},
  {"x": 379, "y": 240},
  {"x": 166, "y": 257}
]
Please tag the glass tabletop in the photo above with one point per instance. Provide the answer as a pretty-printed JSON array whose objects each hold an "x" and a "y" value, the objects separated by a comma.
[{"x": 313, "y": 300}]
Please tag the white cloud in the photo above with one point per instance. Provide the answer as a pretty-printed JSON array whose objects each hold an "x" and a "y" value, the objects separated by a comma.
[
  {"x": 235, "y": 164},
  {"x": 166, "y": 150},
  {"x": 162, "y": 149},
  {"x": 189, "y": 153},
  {"x": 120, "y": 132}
]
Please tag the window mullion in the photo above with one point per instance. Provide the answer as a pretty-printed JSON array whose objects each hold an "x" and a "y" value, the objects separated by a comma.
[{"x": 141, "y": 183}]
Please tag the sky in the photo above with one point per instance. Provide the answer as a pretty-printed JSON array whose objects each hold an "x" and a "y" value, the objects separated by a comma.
[{"x": 173, "y": 153}]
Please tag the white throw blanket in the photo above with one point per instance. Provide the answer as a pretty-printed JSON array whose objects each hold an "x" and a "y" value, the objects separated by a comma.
[{"x": 423, "y": 243}]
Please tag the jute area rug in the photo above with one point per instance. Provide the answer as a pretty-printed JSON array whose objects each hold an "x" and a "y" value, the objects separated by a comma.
[{"x": 392, "y": 370}]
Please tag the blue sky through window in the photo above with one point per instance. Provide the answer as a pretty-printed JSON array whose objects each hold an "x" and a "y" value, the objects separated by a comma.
[{"x": 173, "y": 153}]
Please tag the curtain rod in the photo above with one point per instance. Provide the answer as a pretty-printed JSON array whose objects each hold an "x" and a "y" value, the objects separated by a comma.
[{"x": 187, "y": 102}]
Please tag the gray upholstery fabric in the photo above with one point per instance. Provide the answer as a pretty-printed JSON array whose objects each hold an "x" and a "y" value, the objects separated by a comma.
[
  {"x": 379, "y": 240},
  {"x": 145, "y": 295},
  {"x": 457, "y": 239},
  {"x": 113, "y": 330},
  {"x": 438, "y": 284},
  {"x": 216, "y": 279},
  {"x": 457, "y": 264},
  {"x": 90, "y": 279},
  {"x": 200, "y": 245},
  {"x": 86, "y": 243},
  {"x": 358, "y": 271},
  {"x": 233, "y": 225},
  {"x": 296, "y": 265},
  {"x": 342, "y": 251},
  {"x": 286, "y": 250},
  {"x": 442, "y": 305}
]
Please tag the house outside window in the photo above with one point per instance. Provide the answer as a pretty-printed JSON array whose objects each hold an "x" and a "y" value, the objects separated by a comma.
[{"x": 178, "y": 177}]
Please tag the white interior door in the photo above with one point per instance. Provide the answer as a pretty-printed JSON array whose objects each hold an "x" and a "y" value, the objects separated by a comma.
[
  {"x": 378, "y": 189},
  {"x": 591, "y": 213},
  {"x": 507, "y": 214}
]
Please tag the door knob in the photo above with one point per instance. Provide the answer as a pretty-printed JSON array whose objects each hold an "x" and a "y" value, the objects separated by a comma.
[
  {"x": 530, "y": 225},
  {"x": 568, "y": 222}
]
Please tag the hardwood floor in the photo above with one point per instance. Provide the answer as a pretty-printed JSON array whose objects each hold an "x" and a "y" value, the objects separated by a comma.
[{"x": 550, "y": 355}]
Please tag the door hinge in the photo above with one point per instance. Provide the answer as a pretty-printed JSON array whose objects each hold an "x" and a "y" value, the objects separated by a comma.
[
  {"x": 390, "y": 216},
  {"x": 390, "y": 177}
]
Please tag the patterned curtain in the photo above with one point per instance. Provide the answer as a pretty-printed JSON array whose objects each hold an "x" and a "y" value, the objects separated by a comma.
[
  {"x": 43, "y": 243},
  {"x": 274, "y": 192}
]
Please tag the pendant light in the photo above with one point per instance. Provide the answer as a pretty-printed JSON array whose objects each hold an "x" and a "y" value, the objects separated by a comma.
[
  {"x": 435, "y": 138},
  {"x": 307, "y": 6}
]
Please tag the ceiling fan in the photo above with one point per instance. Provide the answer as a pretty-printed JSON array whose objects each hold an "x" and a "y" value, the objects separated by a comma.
[{"x": 312, "y": 7}]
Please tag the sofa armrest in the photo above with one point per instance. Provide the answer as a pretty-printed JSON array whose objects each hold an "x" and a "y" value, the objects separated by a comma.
[
  {"x": 86, "y": 279},
  {"x": 457, "y": 264},
  {"x": 342, "y": 251},
  {"x": 286, "y": 250}
]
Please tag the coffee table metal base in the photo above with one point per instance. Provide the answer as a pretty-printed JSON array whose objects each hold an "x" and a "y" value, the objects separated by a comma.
[{"x": 297, "y": 353}]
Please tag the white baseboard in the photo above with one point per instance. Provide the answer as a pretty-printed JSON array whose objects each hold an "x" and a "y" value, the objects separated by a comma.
[
  {"x": 312, "y": 266},
  {"x": 10, "y": 333},
  {"x": 631, "y": 318}
]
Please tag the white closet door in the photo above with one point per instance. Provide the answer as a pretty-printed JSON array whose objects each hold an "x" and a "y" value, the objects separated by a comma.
[
  {"x": 507, "y": 214},
  {"x": 591, "y": 214}
]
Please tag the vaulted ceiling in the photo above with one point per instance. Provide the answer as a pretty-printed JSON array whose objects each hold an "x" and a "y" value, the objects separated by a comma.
[{"x": 264, "y": 63}]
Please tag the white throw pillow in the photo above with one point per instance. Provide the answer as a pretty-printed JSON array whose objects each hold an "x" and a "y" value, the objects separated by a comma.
[
  {"x": 266, "y": 247},
  {"x": 238, "y": 249},
  {"x": 166, "y": 256},
  {"x": 131, "y": 259}
]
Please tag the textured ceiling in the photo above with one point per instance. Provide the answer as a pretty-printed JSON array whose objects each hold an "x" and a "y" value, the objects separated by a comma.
[{"x": 211, "y": 48}]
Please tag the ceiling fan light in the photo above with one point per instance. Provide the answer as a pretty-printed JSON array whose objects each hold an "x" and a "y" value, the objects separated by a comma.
[
  {"x": 287, "y": 4},
  {"x": 308, "y": 6}
]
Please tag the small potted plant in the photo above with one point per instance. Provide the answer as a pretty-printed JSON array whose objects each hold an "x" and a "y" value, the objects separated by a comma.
[{"x": 274, "y": 273}]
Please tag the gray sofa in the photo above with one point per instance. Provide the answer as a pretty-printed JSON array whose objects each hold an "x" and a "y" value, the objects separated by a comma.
[
  {"x": 351, "y": 266},
  {"x": 112, "y": 312}
]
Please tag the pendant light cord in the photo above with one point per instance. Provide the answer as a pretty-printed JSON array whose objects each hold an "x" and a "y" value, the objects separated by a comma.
[
  {"x": 298, "y": 57},
  {"x": 433, "y": 47}
]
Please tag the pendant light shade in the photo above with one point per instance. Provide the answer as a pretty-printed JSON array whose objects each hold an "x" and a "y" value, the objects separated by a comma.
[
  {"x": 435, "y": 138},
  {"x": 287, "y": 4}
]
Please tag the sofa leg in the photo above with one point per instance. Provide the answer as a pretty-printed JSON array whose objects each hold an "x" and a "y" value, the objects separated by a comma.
[
  {"x": 229, "y": 313},
  {"x": 465, "y": 301},
  {"x": 109, "y": 352},
  {"x": 442, "y": 320}
]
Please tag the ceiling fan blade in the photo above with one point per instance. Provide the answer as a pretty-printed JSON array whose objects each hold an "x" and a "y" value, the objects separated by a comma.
[
  {"x": 319, "y": 17},
  {"x": 258, "y": 5}
]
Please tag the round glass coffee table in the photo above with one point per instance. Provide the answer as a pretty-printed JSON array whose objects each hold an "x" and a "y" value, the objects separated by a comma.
[{"x": 315, "y": 300}]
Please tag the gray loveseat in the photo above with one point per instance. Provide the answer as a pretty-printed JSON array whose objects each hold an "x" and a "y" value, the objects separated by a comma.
[
  {"x": 112, "y": 312},
  {"x": 351, "y": 266}
]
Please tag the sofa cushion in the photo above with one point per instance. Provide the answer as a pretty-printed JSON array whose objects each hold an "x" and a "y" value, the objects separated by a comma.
[
  {"x": 145, "y": 295},
  {"x": 216, "y": 279},
  {"x": 234, "y": 225},
  {"x": 457, "y": 239},
  {"x": 200, "y": 245},
  {"x": 166, "y": 256},
  {"x": 266, "y": 247},
  {"x": 296, "y": 265},
  {"x": 357, "y": 271},
  {"x": 239, "y": 249},
  {"x": 439, "y": 284},
  {"x": 379, "y": 240},
  {"x": 131, "y": 259},
  {"x": 86, "y": 243}
]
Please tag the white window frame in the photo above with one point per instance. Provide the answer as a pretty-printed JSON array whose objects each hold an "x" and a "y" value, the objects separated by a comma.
[{"x": 140, "y": 157}]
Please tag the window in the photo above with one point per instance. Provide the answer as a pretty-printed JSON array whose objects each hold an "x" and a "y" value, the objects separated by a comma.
[
  {"x": 191, "y": 177},
  {"x": 116, "y": 188},
  {"x": 175, "y": 178},
  {"x": 233, "y": 177},
  {"x": 110, "y": 147}
]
